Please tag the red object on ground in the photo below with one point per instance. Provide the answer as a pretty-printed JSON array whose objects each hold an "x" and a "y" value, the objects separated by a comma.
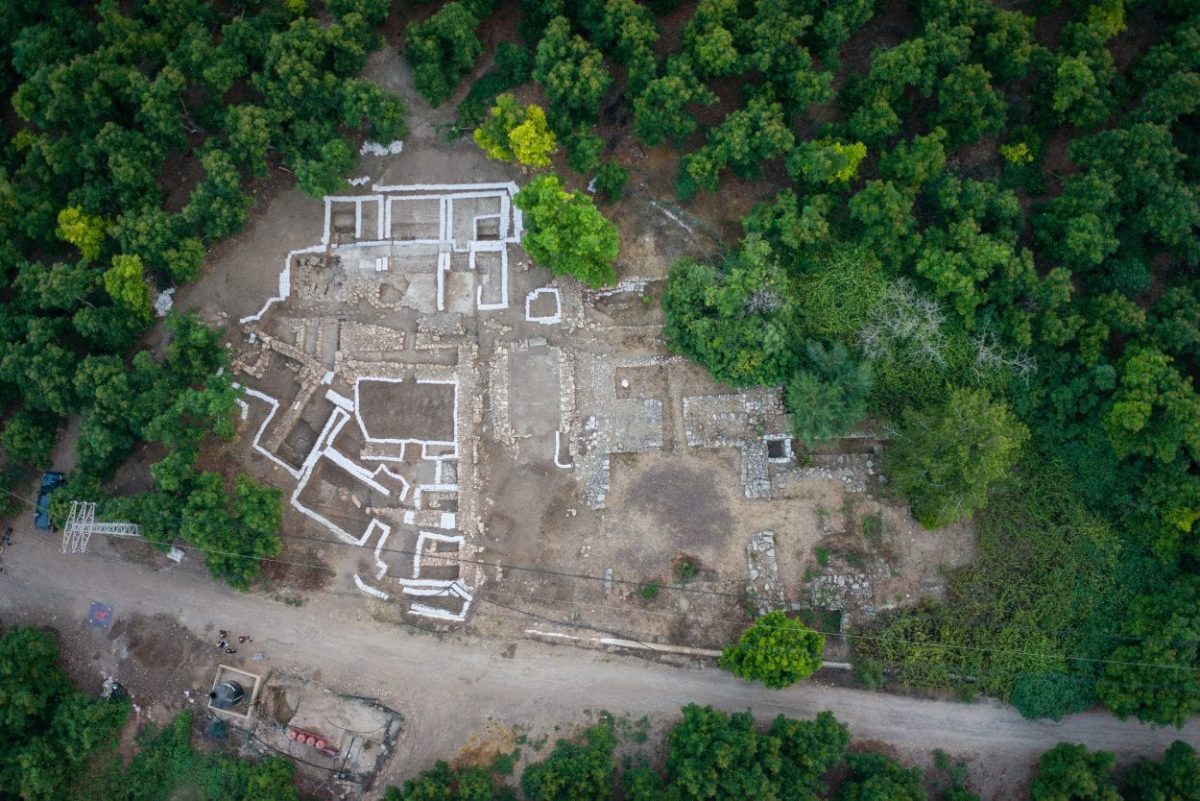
[{"x": 314, "y": 740}]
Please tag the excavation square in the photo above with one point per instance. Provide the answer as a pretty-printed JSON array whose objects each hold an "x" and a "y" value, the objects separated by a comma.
[
  {"x": 415, "y": 218},
  {"x": 534, "y": 391},
  {"x": 487, "y": 227},
  {"x": 543, "y": 304},
  {"x": 779, "y": 449},
  {"x": 641, "y": 382},
  {"x": 396, "y": 411}
]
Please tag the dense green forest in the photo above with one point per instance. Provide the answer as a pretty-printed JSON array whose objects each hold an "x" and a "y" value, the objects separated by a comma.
[{"x": 711, "y": 754}]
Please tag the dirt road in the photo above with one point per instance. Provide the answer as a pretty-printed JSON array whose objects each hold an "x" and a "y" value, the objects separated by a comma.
[{"x": 449, "y": 688}]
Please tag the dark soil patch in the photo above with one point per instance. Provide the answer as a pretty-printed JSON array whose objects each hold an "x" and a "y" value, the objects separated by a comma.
[
  {"x": 407, "y": 410},
  {"x": 297, "y": 568},
  {"x": 979, "y": 160},
  {"x": 891, "y": 25},
  {"x": 162, "y": 657},
  {"x": 642, "y": 383},
  {"x": 628, "y": 308},
  {"x": 283, "y": 712},
  {"x": 133, "y": 477},
  {"x": 1056, "y": 163},
  {"x": 1143, "y": 28},
  {"x": 684, "y": 499},
  {"x": 671, "y": 27},
  {"x": 180, "y": 174},
  {"x": 1048, "y": 28}
]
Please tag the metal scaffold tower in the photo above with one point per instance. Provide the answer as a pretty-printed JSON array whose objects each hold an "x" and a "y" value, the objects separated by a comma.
[{"x": 81, "y": 525}]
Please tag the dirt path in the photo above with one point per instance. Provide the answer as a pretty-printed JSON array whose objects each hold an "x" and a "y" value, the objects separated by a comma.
[{"x": 449, "y": 688}]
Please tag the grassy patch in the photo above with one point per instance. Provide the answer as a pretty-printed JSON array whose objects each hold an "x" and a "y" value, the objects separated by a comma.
[
  {"x": 1041, "y": 598},
  {"x": 872, "y": 529},
  {"x": 686, "y": 570}
]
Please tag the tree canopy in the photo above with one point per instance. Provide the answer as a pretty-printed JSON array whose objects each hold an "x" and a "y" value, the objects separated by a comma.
[
  {"x": 138, "y": 129},
  {"x": 574, "y": 771},
  {"x": 1072, "y": 773},
  {"x": 714, "y": 755},
  {"x": 827, "y": 396},
  {"x": 945, "y": 460},
  {"x": 513, "y": 133},
  {"x": 572, "y": 73},
  {"x": 734, "y": 317},
  {"x": 443, "y": 48},
  {"x": 49, "y": 731},
  {"x": 566, "y": 233},
  {"x": 777, "y": 650}
]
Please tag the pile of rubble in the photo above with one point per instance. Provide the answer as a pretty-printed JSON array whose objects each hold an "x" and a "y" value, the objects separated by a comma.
[{"x": 763, "y": 589}]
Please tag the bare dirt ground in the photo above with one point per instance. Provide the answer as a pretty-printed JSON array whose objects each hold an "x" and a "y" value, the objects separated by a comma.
[{"x": 468, "y": 690}]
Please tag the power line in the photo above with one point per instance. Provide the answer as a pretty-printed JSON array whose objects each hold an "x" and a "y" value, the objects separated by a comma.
[
  {"x": 1078, "y": 679},
  {"x": 715, "y": 593},
  {"x": 481, "y": 596},
  {"x": 207, "y": 575},
  {"x": 640, "y": 638},
  {"x": 948, "y": 646},
  {"x": 683, "y": 588},
  {"x": 679, "y": 588},
  {"x": 528, "y": 614}
]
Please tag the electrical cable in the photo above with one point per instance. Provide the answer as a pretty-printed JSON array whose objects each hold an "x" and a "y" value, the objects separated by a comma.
[
  {"x": 481, "y": 597},
  {"x": 848, "y": 635}
]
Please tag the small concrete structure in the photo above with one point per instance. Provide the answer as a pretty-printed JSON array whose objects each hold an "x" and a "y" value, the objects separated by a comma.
[{"x": 251, "y": 684}]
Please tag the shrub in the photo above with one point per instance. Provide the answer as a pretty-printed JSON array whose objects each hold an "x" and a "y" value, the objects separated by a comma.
[
  {"x": 442, "y": 50},
  {"x": 610, "y": 180},
  {"x": 584, "y": 149},
  {"x": 686, "y": 570},
  {"x": 776, "y": 650},
  {"x": 1052, "y": 695}
]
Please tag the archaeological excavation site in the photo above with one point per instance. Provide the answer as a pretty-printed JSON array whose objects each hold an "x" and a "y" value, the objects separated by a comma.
[{"x": 463, "y": 438}]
